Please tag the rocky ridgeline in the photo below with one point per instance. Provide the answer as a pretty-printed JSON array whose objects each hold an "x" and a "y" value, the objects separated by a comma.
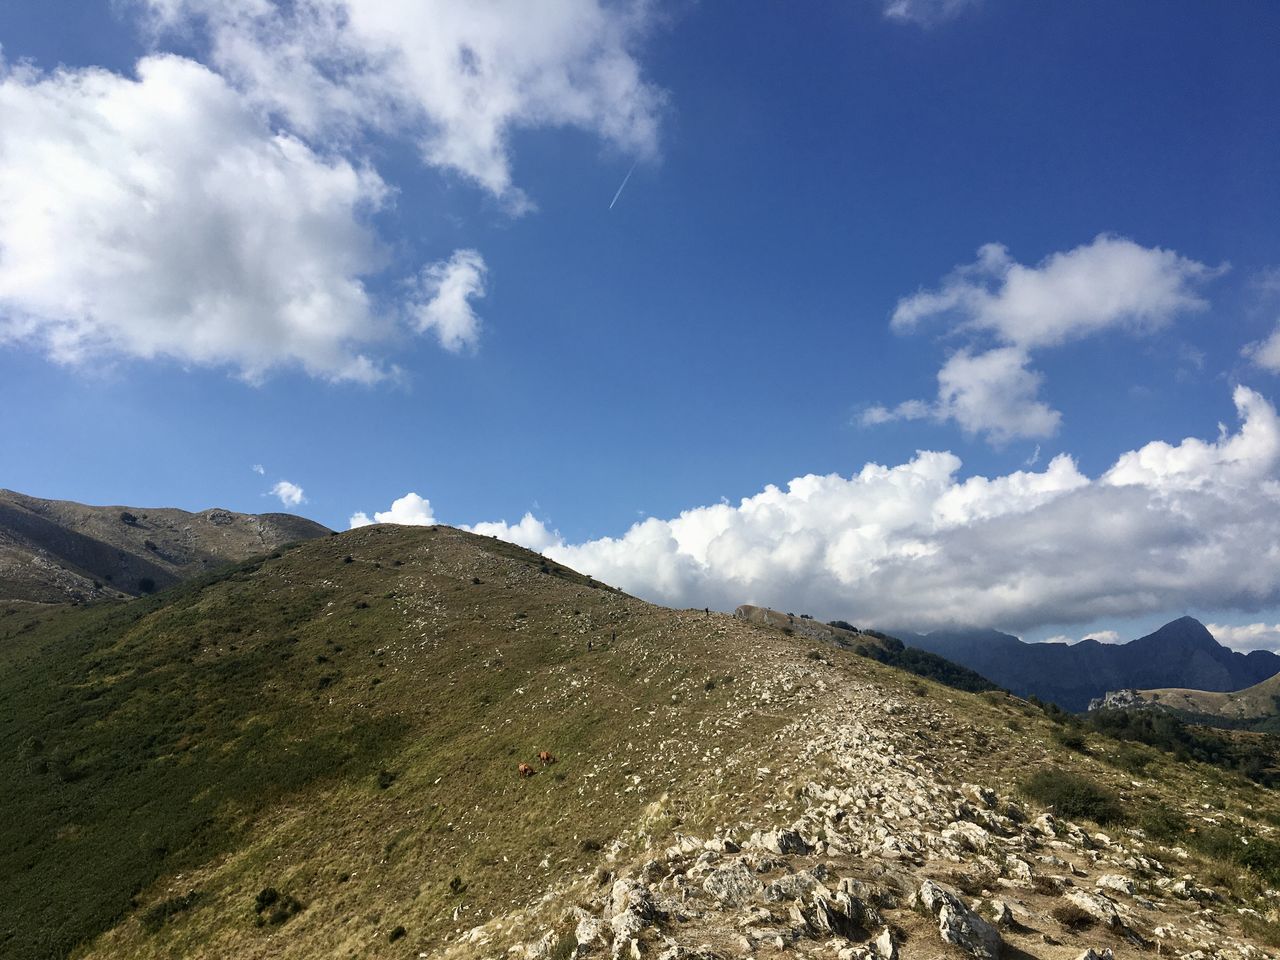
[{"x": 885, "y": 855}]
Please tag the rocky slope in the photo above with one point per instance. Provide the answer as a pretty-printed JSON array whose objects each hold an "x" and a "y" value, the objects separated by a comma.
[
  {"x": 52, "y": 551},
  {"x": 316, "y": 755},
  {"x": 1180, "y": 654}
]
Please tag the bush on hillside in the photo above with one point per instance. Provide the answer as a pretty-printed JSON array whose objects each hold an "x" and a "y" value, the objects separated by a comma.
[{"x": 1073, "y": 796}]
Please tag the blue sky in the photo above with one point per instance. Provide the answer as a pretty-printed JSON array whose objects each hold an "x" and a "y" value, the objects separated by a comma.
[{"x": 725, "y": 326}]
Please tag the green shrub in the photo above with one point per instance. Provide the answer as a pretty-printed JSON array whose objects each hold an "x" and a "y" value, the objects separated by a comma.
[
  {"x": 1074, "y": 796},
  {"x": 1071, "y": 739}
]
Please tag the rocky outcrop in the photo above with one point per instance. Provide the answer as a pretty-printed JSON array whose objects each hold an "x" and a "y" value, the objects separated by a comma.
[{"x": 959, "y": 925}]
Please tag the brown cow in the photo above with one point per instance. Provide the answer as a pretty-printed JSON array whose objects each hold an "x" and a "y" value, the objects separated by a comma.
[
  {"x": 546, "y": 758},
  {"x": 525, "y": 770}
]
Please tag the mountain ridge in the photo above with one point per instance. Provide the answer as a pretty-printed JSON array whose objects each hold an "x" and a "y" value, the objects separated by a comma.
[
  {"x": 1180, "y": 654},
  {"x": 57, "y": 551}
]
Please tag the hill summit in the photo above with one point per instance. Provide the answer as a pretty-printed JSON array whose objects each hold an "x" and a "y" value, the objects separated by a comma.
[{"x": 403, "y": 742}]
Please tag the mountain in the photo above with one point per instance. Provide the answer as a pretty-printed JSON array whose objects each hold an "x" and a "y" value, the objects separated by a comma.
[
  {"x": 1256, "y": 707},
  {"x": 1180, "y": 654},
  {"x": 317, "y": 753},
  {"x": 53, "y": 551},
  {"x": 869, "y": 643}
]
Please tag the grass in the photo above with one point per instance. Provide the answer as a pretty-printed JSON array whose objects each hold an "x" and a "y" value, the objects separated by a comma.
[
  {"x": 225, "y": 736},
  {"x": 229, "y": 730}
]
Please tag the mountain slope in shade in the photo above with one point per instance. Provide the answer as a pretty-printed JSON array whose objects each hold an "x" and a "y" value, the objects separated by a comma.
[
  {"x": 1181, "y": 654},
  {"x": 53, "y": 551}
]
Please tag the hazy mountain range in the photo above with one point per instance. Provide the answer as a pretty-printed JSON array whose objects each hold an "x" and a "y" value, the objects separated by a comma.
[{"x": 1182, "y": 653}]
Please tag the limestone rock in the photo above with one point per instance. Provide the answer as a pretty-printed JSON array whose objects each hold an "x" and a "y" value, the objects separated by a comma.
[
  {"x": 733, "y": 884},
  {"x": 1113, "y": 881},
  {"x": 959, "y": 925},
  {"x": 1099, "y": 906}
]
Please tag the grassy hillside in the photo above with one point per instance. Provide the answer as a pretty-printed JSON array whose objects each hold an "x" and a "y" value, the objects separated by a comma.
[
  {"x": 53, "y": 551},
  {"x": 1252, "y": 706},
  {"x": 342, "y": 721},
  {"x": 315, "y": 755}
]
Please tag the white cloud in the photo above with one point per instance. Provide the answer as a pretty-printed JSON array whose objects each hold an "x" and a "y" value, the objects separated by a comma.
[
  {"x": 907, "y": 410},
  {"x": 915, "y": 545},
  {"x": 158, "y": 217},
  {"x": 1265, "y": 353},
  {"x": 529, "y": 533},
  {"x": 1110, "y": 283},
  {"x": 1102, "y": 636},
  {"x": 1249, "y": 636},
  {"x": 290, "y": 494},
  {"x": 925, "y": 13},
  {"x": 994, "y": 393},
  {"x": 444, "y": 305},
  {"x": 411, "y": 510},
  {"x": 457, "y": 77},
  {"x": 259, "y": 469},
  {"x": 1243, "y": 459}
]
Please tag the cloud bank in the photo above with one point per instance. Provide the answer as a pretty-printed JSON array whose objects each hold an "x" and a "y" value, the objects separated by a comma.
[
  {"x": 1164, "y": 528},
  {"x": 1109, "y": 284}
]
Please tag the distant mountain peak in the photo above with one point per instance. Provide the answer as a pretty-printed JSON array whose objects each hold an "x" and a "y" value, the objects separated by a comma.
[{"x": 1183, "y": 632}]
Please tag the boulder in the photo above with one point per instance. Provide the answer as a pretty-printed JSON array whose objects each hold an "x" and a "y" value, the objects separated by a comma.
[
  {"x": 959, "y": 925},
  {"x": 781, "y": 841},
  {"x": 1099, "y": 906},
  {"x": 968, "y": 836},
  {"x": 1115, "y": 882},
  {"x": 733, "y": 884},
  {"x": 885, "y": 946},
  {"x": 796, "y": 886}
]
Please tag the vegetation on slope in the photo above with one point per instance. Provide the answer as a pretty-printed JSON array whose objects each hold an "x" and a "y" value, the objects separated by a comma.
[
  {"x": 341, "y": 722},
  {"x": 315, "y": 754}
]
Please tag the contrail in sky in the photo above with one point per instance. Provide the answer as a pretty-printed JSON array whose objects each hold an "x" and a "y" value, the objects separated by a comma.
[{"x": 624, "y": 184}]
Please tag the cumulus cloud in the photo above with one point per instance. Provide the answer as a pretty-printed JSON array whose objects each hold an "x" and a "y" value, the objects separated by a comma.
[
  {"x": 993, "y": 393},
  {"x": 410, "y": 510},
  {"x": 159, "y": 217},
  {"x": 457, "y": 77},
  {"x": 1248, "y": 636},
  {"x": 925, "y": 13},
  {"x": 530, "y": 533},
  {"x": 445, "y": 291},
  {"x": 221, "y": 215},
  {"x": 259, "y": 469},
  {"x": 290, "y": 494},
  {"x": 916, "y": 545},
  {"x": 1265, "y": 353},
  {"x": 1109, "y": 283}
]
